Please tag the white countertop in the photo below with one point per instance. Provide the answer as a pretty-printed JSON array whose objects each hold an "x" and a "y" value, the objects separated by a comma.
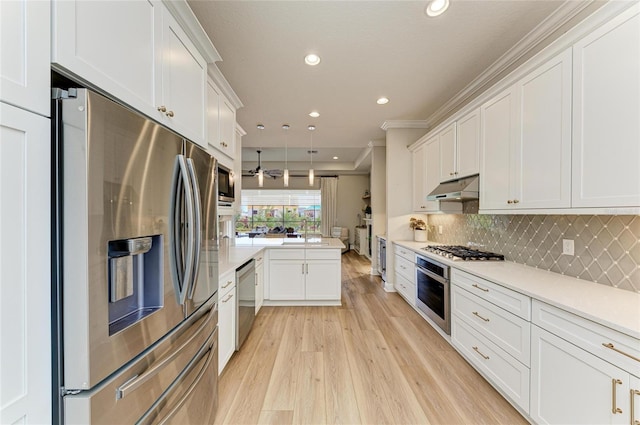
[
  {"x": 246, "y": 248},
  {"x": 616, "y": 308},
  {"x": 312, "y": 243}
]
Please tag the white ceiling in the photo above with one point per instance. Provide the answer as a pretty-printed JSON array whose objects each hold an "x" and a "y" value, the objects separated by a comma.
[{"x": 368, "y": 49}]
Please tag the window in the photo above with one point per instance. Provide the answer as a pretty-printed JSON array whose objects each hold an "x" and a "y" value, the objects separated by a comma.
[{"x": 279, "y": 211}]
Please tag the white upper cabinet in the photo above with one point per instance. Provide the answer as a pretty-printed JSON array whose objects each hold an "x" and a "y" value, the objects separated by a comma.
[
  {"x": 542, "y": 155},
  {"x": 460, "y": 147},
  {"x": 121, "y": 59},
  {"x": 447, "y": 140},
  {"x": 426, "y": 175},
  {"x": 606, "y": 107},
  {"x": 499, "y": 117},
  {"x": 145, "y": 59},
  {"x": 468, "y": 144},
  {"x": 25, "y": 55},
  {"x": 184, "y": 76},
  {"x": 221, "y": 119},
  {"x": 526, "y": 141}
]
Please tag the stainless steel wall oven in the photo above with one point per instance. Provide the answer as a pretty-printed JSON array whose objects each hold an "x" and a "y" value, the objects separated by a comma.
[{"x": 433, "y": 288}]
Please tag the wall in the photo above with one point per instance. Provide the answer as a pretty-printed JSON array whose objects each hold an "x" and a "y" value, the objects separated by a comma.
[
  {"x": 607, "y": 248},
  {"x": 350, "y": 203},
  {"x": 350, "y": 191}
]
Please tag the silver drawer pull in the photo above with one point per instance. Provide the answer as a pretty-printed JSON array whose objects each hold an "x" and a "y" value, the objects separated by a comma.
[
  {"x": 478, "y": 351},
  {"x": 480, "y": 288},
  {"x": 228, "y": 298},
  {"x": 229, "y": 282},
  {"x": 612, "y": 347},
  {"x": 475, "y": 313}
]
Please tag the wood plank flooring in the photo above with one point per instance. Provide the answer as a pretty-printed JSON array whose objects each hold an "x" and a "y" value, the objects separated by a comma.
[{"x": 373, "y": 360}]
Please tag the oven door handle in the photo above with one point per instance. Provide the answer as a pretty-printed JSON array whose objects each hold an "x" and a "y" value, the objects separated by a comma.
[{"x": 432, "y": 275}]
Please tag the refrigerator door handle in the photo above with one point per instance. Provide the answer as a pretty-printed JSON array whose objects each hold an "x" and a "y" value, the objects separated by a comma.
[
  {"x": 197, "y": 226},
  {"x": 208, "y": 349},
  {"x": 181, "y": 184},
  {"x": 132, "y": 384}
]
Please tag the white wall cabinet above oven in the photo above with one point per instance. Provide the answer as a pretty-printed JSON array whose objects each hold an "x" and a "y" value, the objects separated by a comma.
[
  {"x": 526, "y": 141},
  {"x": 147, "y": 61},
  {"x": 221, "y": 121}
]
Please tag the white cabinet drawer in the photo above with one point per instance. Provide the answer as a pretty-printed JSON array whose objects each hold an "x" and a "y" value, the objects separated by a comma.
[
  {"x": 509, "y": 332},
  {"x": 406, "y": 288},
  {"x": 512, "y": 301},
  {"x": 405, "y": 267},
  {"x": 287, "y": 254},
  {"x": 323, "y": 254},
  {"x": 226, "y": 283},
  {"x": 504, "y": 372},
  {"x": 616, "y": 348},
  {"x": 405, "y": 253}
]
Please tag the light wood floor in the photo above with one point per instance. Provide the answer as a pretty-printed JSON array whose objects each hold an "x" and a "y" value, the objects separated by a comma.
[{"x": 373, "y": 360}]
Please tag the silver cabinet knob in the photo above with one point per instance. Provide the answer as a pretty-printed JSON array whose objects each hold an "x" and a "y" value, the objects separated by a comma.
[
  {"x": 515, "y": 201},
  {"x": 170, "y": 114},
  {"x": 162, "y": 108},
  {"x": 509, "y": 201}
]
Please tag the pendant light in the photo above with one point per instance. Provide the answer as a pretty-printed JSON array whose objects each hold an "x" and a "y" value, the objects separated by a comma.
[
  {"x": 311, "y": 128},
  {"x": 260, "y": 172},
  {"x": 285, "y": 175}
]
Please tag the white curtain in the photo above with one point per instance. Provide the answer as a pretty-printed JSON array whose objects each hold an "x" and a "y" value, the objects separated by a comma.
[{"x": 328, "y": 202}]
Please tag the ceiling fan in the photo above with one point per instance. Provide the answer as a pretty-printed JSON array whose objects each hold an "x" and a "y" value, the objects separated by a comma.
[{"x": 275, "y": 173}]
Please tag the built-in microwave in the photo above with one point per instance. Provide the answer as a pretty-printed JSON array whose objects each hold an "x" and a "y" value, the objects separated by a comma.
[{"x": 226, "y": 192}]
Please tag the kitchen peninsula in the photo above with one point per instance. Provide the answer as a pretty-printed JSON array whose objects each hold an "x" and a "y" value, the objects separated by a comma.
[{"x": 296, "y": 272}]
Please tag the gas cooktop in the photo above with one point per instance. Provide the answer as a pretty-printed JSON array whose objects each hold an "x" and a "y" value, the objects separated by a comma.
[{"x": 458, "y": 252}]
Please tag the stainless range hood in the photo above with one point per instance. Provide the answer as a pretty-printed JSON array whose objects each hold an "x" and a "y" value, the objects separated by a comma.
[{"x": 464, "y": 189}]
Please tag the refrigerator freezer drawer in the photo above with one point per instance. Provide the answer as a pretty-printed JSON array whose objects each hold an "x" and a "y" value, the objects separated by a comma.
[{"x": 175, "y": 382}]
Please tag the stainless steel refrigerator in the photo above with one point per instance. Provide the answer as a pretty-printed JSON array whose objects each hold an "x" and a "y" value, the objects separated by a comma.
[{"x": 136, "y": 268}]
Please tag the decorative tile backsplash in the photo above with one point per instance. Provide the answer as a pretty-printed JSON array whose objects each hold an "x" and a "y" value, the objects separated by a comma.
[{"x": 607, "y": 248}]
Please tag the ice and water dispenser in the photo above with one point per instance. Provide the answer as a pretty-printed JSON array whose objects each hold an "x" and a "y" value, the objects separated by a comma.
[{"x": 135, "y": 280}]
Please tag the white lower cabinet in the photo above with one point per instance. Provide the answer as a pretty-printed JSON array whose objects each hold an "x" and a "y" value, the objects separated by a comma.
[
  {"x": 259, "y": 281},
  {"x": 506, "y": 373},
  {"x": 406, "y": 288},
  {"x": 571, "y": 386},
  {"x": 25, "y": 269},
  {"x": 581, "y": 372},
  {"x": 227, "y": 317},
  {"x": 304, "y": 275},
  {"x": 492, "y": 338}
]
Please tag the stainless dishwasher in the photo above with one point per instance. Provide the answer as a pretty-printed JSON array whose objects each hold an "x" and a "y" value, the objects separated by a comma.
[{"x": 245, "y": 300}]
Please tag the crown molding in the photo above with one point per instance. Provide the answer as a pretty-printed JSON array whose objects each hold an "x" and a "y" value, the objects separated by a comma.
[
  {"x": 240, "y": 130},
  {"x": 377, "y": 142},
  {"x": 404, "y": 124},
  {"x": 224, "y": 86},
  {"x": 553, "y": 22},
  {"x": 183, "y": 14}
]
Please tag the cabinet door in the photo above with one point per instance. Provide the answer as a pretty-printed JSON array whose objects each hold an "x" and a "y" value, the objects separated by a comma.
[
  {"x": 572, "y": 386},
  {"x": 259, "y": 286},
  {"x": 323, "y": 280},
  {"x": 447, "y": 138},
  {"x": 432, "y": 172},
  {"x": 286, "y": 280},
  {"x": 120, "y": 59},
  {"x": 226, "y": 327},
  {"x": 499, "y": 126},
  {"x": 25, "y": 55},
  {"x": 606, "y": 107},
  {"x": 542, "y": 150},
  {"x": 418, "y": 161},
  {"x": 227, "y": 127},
  {"x": 213, "y": 116},
  {"x": 25, "y": 290},
  {"x": 184, "y": 73},
  {"x": 468, "y": 145}
]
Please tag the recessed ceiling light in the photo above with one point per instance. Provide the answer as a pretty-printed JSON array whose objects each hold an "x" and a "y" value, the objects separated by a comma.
[
  {"x": 312, "y": 59},
  {"x": 311, "y": 127},
  {"x": 382, "y": 101},
  {"x": 335, "y": 157},
  {"x": 314, "y": 114},
  {"x": 436, "y": 7}
]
